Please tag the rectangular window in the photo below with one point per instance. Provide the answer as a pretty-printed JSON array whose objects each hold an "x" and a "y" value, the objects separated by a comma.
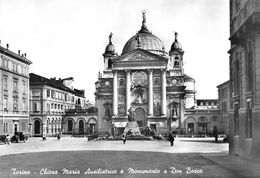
[
  {"x": 5, "y": 103},
  {"x": 24, "y": 87},
  {"x": 36, "y": 93},
  {"x": 5, "y": 127},
  {"x": 48, "y": 93},
  {"x": 52, "y": 106},
  {"x": 24, "y": 105},
  {"x": 5, "y": 83},
  {"x": 23, "y": 126},
  {"x": 15, "y": 105},
  {"x": 48, "y": 107},
  {"x": 15, "y": 86}
]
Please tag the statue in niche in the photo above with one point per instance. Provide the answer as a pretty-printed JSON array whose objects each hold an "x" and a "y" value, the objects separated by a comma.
[
  {"x": 174, "y": 110},
  {"x": 131, "y": 114},
  {"x": 139, "y": 96}
]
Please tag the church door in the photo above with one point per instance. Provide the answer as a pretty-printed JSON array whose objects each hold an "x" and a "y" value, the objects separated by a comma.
[
  {"x": 37, "y": 127},
  {"x": 140, "y": 117},
  {"x": 70, "y": 126}
]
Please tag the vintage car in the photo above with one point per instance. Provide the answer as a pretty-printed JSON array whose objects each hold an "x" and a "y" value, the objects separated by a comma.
[
  {"x": 19, "y": 136},
  {"x": 3, "y": 138}
]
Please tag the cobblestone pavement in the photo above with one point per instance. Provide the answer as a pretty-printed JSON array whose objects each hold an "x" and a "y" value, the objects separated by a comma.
[{"x": 203, "y": 156}]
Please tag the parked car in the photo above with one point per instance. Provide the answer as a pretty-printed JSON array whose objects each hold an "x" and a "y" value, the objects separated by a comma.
[
  {"x": 3, "y": 138},
  {"x": 19, "y": 136}
]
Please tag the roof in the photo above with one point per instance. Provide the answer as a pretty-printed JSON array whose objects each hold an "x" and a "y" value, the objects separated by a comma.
[
  {"x": 58, "y": 84},
  {"x": 9, "y": 53},
  {"x": 188, "y": 77},
  {"x": 224, "y": 83}
]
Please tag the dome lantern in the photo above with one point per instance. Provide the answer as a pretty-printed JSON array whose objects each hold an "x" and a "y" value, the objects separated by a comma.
[
  {"x": 176, "y": 46},
  {"x": 145, "y": 40},
  {"x": 110, "y": 48}
]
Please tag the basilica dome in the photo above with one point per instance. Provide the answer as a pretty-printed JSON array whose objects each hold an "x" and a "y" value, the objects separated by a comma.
[{"x": 145, "y": 40}]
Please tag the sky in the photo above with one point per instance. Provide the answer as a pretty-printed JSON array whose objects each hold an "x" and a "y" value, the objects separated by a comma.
[{"x": 67, "y": 38}]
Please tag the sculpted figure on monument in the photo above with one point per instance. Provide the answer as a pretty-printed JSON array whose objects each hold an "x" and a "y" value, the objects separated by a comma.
[{"x": 131, "y": 114}]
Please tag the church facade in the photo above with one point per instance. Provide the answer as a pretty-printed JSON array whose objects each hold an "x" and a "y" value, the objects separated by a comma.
[{"x": 146, "y": 79}]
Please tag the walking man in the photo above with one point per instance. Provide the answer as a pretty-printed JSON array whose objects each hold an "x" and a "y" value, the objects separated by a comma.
[
  {"x": 124, "y": 138},
  {"x": 171, "y": 138}
]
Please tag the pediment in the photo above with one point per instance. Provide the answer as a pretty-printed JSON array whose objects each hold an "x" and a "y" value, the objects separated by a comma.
[{"x": 140, "y": 55}]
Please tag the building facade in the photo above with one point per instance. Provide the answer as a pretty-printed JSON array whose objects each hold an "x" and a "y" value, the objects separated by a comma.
[
  {"x": 146, "y": 79},
  {"x": 14, "y": 92},
  {"x": 244, "y": 63},
  {"x": 224, "y": 105},
  {"x": 204, "y": 118},
  {"x": 50, "y": 100}
]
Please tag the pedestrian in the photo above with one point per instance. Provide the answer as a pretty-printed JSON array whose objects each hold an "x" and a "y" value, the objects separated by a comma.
[
  {"x": 43, "y": 136},
  {"x": 171, "y": 139},
  {"x": 58, "y": 137},
  {"x": 8, "y": 139},
  {"x": 124, "y": 138}
]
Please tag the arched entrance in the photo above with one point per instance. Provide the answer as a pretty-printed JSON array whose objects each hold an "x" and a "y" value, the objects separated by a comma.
[
  {"x": 190, "y": 125},
  {"x": 140, "y": 117},
  {"x": 81, "y": 126},
  {"x": 203, "y": 125},
  {"x": 92, "y": 125},
  {"x": 70, "y": 126},
  {"x": 37, "y": 127}
]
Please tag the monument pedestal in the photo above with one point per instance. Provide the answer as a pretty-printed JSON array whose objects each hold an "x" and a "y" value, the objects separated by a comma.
[{"x": 133, "y": 127}]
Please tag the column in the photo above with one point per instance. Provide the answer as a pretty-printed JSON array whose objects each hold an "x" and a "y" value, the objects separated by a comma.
[
  {"x": 128, "y": 91},
  {"x": 163, "y": 104},
  {"x": 115, "y": 94},
  {"x": 150, "y": 88}
]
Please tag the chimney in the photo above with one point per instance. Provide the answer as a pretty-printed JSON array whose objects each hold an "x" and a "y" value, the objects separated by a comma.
[
  {"x": 19, "y": 52},
  {"x": 22, "y": 55},
  {"x": 25, "y": 55},
  {"x": 7, "y": 46}
]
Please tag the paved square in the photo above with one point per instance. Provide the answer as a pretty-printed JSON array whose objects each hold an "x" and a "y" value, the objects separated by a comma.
[{"x": 77, "y": 157}]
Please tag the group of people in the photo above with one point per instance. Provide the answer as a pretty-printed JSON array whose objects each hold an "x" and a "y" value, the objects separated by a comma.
[
  {"x": 170, "y": 138},
  {"x": 58, "y": 136}
]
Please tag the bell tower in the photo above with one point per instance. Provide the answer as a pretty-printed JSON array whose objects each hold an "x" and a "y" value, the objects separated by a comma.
[
  {"x": 175, "y": 64},
  {"x": 109, "y": 54}
]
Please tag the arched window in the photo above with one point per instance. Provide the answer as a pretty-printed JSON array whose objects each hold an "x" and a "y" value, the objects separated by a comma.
[
  {"x": 109, "y": 65},
  {"x": 107, "y": 109},
  {"x": 176, "y": 62}
]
